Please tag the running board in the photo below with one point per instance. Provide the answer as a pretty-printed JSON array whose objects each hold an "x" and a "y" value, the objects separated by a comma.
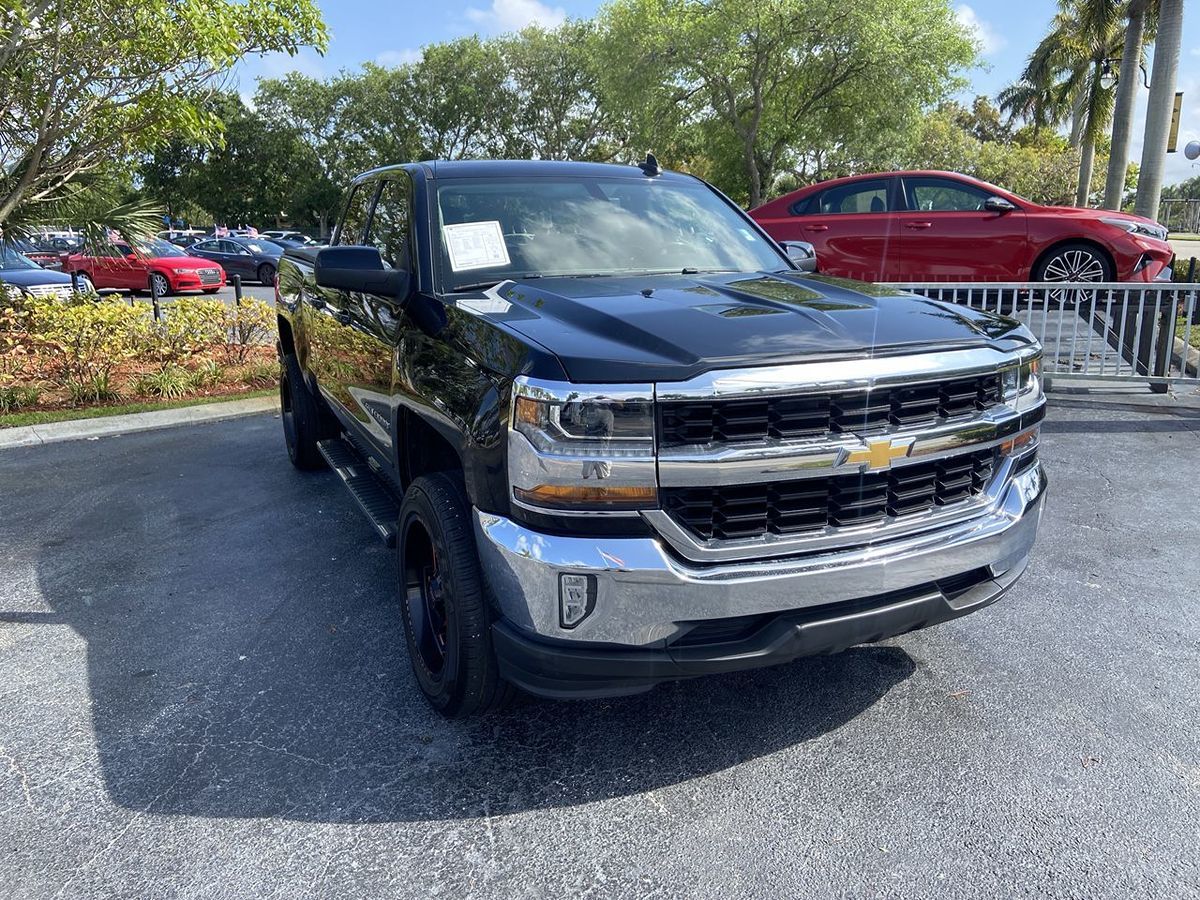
[{"x": 372, "y": 497}]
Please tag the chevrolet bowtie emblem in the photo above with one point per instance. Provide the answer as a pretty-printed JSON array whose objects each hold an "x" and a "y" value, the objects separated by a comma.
[{"x": 879, "y": 454}]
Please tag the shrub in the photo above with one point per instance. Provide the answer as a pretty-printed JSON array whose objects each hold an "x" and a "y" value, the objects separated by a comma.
[
  {"x": 206, "y": 375},
  {"x": 251, "y": 324},
  {"x": 14, "y": 397},
  {"x": 170, "y": 382},
  {"x": 98, "y": 388},
  {"x": 190, "y": 326},
  {"x": 87, "y": 341},
  {"x": 259, "y": 374}
]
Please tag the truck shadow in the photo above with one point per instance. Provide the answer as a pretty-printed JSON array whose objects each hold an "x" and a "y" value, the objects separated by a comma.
[{"x": 245, "y": 658}]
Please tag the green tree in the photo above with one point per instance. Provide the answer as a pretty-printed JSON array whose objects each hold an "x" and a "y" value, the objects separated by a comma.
[
  {"x": 85, "y": 83},
  {"x": 778, "y": 83}
]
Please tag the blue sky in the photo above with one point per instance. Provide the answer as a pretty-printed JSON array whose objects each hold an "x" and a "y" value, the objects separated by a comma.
[{"x": 370, "y": 30}]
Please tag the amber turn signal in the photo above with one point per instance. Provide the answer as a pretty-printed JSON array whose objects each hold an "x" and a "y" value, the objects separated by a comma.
[
  {"x": 569, "y": 496},
  {"x": 1021, "y": 441}
]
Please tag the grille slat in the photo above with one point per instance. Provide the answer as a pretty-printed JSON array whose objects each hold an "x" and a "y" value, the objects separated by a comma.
[
  {"x": 811, "y": 504},
  {"x": 689, "y": 422}
]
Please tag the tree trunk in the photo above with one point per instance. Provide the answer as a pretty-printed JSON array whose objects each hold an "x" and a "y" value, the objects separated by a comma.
[
  {"x": 1118, "y": 156},
  {"x": 1077, "y": 107},
  {"x": 1087, "y": 156},
  {"x": 752, "y": 174},
  {"x": 1158, "y": 111}
]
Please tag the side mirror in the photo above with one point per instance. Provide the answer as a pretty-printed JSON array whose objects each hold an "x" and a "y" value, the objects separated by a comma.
[
  {"x": 998, "y": 205},
  {"x": 802, "y": 253},
  {"x": 359, "y": 269},
  {"x": 132, "y": 257}
]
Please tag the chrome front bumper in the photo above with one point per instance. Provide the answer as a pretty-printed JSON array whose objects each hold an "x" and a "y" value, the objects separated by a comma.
[{"x": 644, "y": 594}]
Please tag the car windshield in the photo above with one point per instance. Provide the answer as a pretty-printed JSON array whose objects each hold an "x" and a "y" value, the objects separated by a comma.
[
  {"x": 514, "y": 228},
  {"x": 159, "y": 248},
  {"x": 11, "y": 259}
]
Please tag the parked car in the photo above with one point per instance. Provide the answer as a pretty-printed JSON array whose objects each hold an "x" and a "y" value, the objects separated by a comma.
[
  {"x": 618, "y": 437},
  {"x": 941, "y": 226},
  {"x": 156, "y": 265},
  {"x": 184, "y": 238},
  {"x": 296, "y": 237},
  {"x": 257, "y": 260},
  {"x": 45, "y": 258},
  {"x": 20, "y": 272}
]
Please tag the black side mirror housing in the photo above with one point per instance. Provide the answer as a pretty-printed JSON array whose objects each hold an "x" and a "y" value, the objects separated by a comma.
[
  {"x": 998, "y": 205},
  {"x": 802, "y": 253},
  {"x": 352, "y": 268}
]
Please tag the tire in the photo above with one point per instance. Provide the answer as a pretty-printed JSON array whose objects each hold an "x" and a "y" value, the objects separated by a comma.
[
  {"x": 303, "y": 421},
  {"x": 447, "y": 619},
  {"x": 163, "y": 285},
  {"x": 85, "y": 284},
  {"x": 266, "y": 274},
  {"x": 1073, "y": 262},
  {"x": 210, "y": 290}
]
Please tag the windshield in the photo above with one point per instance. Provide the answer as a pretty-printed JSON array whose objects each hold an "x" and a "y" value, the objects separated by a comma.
[
  {"x": 11, "y": 259},
  {"x": 514, "y": 228},
  {"x": 159, "y": 248}
]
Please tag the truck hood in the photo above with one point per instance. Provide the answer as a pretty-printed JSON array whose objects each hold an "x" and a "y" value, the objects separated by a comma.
[{"x": 673, "y": 327}]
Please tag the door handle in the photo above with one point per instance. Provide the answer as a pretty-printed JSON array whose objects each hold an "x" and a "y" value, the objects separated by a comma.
[
  {"x": 916, "y": 226},
  {"x": 816, "y": 227}
]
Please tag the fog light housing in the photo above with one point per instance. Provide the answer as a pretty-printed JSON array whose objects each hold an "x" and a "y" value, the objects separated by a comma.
[{"x": 576, "y": 598}]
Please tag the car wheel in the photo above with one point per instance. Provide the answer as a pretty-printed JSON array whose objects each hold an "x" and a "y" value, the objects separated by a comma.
[
  {"x": 1073, "y": 262},
  {"x": 266, "y": 274},
  {"x": 447, "y": 622},
  {"x": 159, "y": 284},
  {"x": 301, "y": 413},
  {"x": 85, "y": 284},
  {"x": 210, "y": 290}
]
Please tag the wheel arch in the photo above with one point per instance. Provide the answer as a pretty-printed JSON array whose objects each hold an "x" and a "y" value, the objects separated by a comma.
[
  {"x": 422, "y": 449},
  {"x": 1064, "y": 242}
]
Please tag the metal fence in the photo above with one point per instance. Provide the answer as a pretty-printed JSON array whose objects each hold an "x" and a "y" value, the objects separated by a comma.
[
  {"x": 1107, "y": 331},
  {"x": 1180, "y": 215}
]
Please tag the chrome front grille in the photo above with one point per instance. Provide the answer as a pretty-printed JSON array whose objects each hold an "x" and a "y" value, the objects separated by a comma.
[
  {"x": 812, "y": 505},
  {"x": 210, "y": 276},
  {"x": 721, "y": 421}
]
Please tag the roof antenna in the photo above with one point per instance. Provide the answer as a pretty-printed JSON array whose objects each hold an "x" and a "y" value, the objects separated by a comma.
[{"x": 650, "y": 167}]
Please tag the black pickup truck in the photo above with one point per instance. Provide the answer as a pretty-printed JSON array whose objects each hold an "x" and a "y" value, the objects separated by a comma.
[{"x": 618, "y": 436}]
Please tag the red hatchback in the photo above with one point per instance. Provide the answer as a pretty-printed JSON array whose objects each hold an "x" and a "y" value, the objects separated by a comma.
[
  {"x": 155, "y": 265},
  {"x": 940, "y": 226}
]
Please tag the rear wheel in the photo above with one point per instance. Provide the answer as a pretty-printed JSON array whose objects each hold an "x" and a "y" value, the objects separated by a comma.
[
  {"x": 266, "y": 274},
  {"x": 303, "y": 421},
  {"x": 447, "y": 621}
]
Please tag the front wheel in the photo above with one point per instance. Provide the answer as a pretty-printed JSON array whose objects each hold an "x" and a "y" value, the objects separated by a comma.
[
  {"x": 1076, "y": 263},
  {"x": 210, "y": 290},
  {"x": 303, "y": 423},
  {"x": 266, "y": 274},
  {"x": 159, "y": 285},
  {"x": 447, "y": 624}
]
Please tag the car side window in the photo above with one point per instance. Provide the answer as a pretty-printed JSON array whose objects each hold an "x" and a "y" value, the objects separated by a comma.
[
  {"x": 206, "y": 246},
  {"x": 229, "y": 247},
  {"x": 943, "y": 195},
  {"x": 389, "y": 228},
  {"x": 354, "y": 219},
  {"x": 859, "y": 197}
]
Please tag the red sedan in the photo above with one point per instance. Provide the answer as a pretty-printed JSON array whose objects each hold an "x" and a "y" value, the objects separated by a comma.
[
  {"x": 154, "y": 265},
  {"x": 940, "y": 226}
]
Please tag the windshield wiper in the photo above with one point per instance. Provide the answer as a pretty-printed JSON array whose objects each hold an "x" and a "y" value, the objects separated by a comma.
[{"x": 485, "y": 285}]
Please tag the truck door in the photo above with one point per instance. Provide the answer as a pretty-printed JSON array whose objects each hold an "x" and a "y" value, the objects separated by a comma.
[{"x": 340, "y": 354}]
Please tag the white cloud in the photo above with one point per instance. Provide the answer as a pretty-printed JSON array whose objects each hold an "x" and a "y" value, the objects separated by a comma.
[
  {"x": 399, "y": 57},
  {"x": 990, "y": 40},
  {"x": 513, "y": 15}
]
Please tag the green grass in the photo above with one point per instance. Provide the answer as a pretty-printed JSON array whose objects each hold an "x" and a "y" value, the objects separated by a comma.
[
  {"x": 15, "y": 420},
  {"x": 1184, "y": 236},
  {"x": 1194, "y": 337}
]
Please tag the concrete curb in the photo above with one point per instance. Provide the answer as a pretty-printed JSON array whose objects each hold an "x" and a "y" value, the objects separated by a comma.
[{"x": 80, "y": 429}]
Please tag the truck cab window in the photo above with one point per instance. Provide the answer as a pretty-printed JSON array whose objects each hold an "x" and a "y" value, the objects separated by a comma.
[
  {"x": 389, "y": 228},
  {"x": 354, "y": 219}
]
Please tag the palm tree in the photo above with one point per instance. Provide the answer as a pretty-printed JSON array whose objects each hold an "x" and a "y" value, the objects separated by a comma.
[
  {"x": 1158, "y": 111},
  {"x": 1139, "y": 15}
]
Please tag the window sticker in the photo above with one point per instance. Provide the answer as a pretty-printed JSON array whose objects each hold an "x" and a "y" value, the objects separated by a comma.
[{"x": 475, "y": 245}]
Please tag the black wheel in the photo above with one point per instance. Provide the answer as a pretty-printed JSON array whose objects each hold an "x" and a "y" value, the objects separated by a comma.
[
  {"x": 159, "y": 284},
  {"x": 210, "y": 290},
  {"x": 1073, "y": 262},
  {"x": 447, "y": 622},
  {"x": 266, "y": 274},
  {"x": 304, "y": 422}
]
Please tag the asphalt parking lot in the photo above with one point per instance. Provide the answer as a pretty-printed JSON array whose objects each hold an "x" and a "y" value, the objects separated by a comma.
[{"x": 204, "y": 693}]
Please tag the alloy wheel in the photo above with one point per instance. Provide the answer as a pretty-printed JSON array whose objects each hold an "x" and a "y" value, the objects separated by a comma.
[{"x": 1075, "y": 265}]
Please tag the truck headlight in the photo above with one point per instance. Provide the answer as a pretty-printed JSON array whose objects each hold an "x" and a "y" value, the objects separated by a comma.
[
  {"x": 582, "y": 448},
  {"x": 1021, "y": 385}
]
